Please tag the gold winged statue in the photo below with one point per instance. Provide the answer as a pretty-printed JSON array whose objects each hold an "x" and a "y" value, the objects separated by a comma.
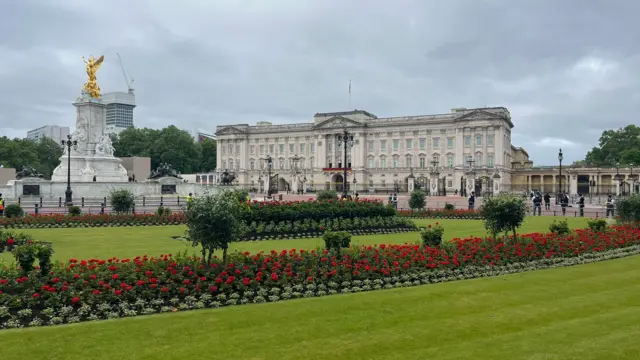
[{"x": 91, "y": 86}]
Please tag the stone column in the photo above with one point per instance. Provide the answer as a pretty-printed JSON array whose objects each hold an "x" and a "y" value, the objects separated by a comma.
[
  {"x": 433, "y": 184},
  {"x": 411, "y": 183}
]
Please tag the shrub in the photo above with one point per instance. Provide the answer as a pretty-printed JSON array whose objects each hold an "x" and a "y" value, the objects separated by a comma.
[
  {"x": 43, "y": 254},
  {"x": 628, "y": 209},
  {"x": 325, "y": 195},
  {"x": 13, "y": 210},
  {"x": 75, "y": 211},
  {"x": 417, "y": 199},
  {"x": 214, "y": 221},
  {"x": 122, "y": 201},
  {"x": 503, "y": 213},
  {"x": 449, "y": 206},
  {"x": 560, "y": 227},
  {"x": 335, "y": 240},
  {"x": 432, "y": 235},
  {"x": 163, "y": 211},
  {"x": 597, "y": 225}
]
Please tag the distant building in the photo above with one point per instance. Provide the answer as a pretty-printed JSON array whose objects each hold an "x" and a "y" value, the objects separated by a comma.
[
  {"x": 119, "y": 110},
  {"x": 57, "y": 133},
  {"x": 137, "y": 167}
]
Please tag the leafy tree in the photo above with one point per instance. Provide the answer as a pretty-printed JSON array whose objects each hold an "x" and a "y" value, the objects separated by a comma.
[
  {"x": 503, "y": 213},
  {"x": 213, "y": 222},
  {"x": 417, "y": 199},
  {"x": 43, "y": 155},
  {"x": 208, "y": 149},
  {"x": 622, "y": 145},
  {"x": 122, "y": 201}
]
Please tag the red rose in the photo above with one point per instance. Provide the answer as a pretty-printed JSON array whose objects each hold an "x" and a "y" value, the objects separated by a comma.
[
  {"x": 36, "y": 295},
  {"x": 75, "y": 300},
  {"x": 114, "y": 276},
  {"x": 10, "y": 242},
  {"x": 165, "y": 289},
  {"x": 96, "y": 292}
]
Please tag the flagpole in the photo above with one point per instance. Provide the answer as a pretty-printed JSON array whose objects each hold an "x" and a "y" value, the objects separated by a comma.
[{"x": 349, "y": 94}]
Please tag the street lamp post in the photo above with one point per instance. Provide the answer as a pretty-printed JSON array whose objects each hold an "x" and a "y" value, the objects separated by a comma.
[
  {"x": 355, "y": 187},
  {"x": 560, "y": 157},
  {"x": 269, "y": 161},
  {"x": 345, "y": 139},
  {"x": 68, "y": 145}
]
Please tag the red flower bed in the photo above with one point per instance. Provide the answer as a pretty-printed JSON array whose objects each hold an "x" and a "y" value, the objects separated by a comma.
[
  {"x": 442, "y": 214},
  {"x": 90, "y": 220},
  {"x": 165, "y": 282}
]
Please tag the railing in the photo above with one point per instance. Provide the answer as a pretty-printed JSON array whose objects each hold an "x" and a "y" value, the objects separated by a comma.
[{"x": 142, "y": 205}]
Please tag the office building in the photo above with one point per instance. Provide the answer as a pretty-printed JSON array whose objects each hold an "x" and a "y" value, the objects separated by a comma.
[
  {"x": 119, "y": 110},
  {"x": 55, "y": 132}
]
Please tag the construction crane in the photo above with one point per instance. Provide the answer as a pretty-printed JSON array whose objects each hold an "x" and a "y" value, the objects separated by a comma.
[{"x": 126, "y": 78}]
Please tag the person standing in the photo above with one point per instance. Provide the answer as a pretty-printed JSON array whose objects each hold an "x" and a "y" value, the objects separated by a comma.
[
  {"x": 189, "y": 199},
  {"x": 395, "y": 201},
  {"x": 564, "y": 202},
  {"x": 547, "y": 201},
  {"x": 581, "y": 204},
  {"x": 472, "y": 200},
  {"x": 1, "y": 206},
  {"x": 537, "y": 204},
  {"x": 610, "y": 205}
]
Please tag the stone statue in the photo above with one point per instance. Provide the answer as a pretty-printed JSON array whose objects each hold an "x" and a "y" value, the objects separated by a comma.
[
  {"x": 80, "y": 135},
  {"x": 104, "y": 146},
  {"x": 28, "y": 172},
  {"x": 91, "y": 86},
  {"x": 164, "y": 170},
  {"x": 226, "y": 178}
]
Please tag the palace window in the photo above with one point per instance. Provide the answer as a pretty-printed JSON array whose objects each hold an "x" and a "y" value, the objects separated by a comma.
[
  {"x": 370, "y": 143},
  {"x": 478, "y": 140},
  {"x": 436, "y": 142},
  {"x": 396, "y": 144},
  {"x": 490, "y": 140},
  {"x": 449, "y": 143},
  {"x": 383, "y": 145},
  {"x": 467, "y": 141},
  {"x": 409, "y": 144},
  {"x": 423, "y": 143}
]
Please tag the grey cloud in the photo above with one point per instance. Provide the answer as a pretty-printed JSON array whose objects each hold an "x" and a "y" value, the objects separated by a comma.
[{"x": 208, "y": 63}]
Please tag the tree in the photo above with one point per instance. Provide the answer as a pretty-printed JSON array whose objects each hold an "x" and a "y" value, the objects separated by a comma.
[
  {"x": 214, "y": 221},
  {"x": 629, "y": 209},
  {"x": 43, "y": 155},
  {"x": 417, "y": 199},
  {"x": 208, "y": 149},
  {"x": 503, "y": 213},
  {"x": 616, "y": 146}
]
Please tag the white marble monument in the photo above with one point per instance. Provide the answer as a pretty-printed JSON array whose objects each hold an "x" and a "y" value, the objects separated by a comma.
[{"x": 93, "y": 156}]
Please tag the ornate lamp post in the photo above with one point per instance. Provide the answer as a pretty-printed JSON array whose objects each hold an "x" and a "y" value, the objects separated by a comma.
[
  {"x": 345, "y": 139},
  {"x": 304, "y": 183},
  {"x": 68, "y": 145},
  {"x": 269, "y": 161},
  {"x": 560, "y": 158},
  {"x": 355, "y": 186},
  {"x": 434, "y": 176},
  {"x": 293, "y": 163}
]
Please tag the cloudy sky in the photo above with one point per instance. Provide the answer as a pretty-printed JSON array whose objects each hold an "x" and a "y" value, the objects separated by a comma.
[{"x": 566, "y": 69}]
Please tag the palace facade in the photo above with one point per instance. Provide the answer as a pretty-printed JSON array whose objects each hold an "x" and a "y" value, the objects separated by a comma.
[{"x": 464, "y": 150}]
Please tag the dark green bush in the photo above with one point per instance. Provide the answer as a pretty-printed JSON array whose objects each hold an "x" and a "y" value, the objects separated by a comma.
[
  {"x": 75, "y": 211},
  {"x": 449, "y": 206},
  {"x": 325, "y": 195},
  {"x": 432, "y": 235},
  {"x": 122, "y": 201},
  {"x": 163, "y": 211},
  {"x": 560, "y": 227},
  {"x": 597, "y": 225},
  {"x": 336, "y": 240},
  {"x": 628, "y": 209},
  {"x": 417, "y": 200},
  {"x": 13, "y": 210}
]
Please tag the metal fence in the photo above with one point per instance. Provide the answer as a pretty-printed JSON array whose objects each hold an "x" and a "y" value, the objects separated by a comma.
[{"x": 142, "y": 205}]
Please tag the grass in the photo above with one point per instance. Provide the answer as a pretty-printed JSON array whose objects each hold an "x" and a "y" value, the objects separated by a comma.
[
  {"x": 123, "y": 242},
  {"x": 581, "y": 312}
]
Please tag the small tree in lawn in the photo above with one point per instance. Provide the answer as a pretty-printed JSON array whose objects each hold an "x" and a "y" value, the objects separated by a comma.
[
  {"x": 503, "y": 213},
  {"x": 122, "y": 201},
  {"x": 417, "y": 199},
  {"x": 214, "y": 221}
]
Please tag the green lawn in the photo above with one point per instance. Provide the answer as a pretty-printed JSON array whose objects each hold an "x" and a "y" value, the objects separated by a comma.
[
  {"x": 581, "y": 312},
  {"x": 122, "y": 242}
]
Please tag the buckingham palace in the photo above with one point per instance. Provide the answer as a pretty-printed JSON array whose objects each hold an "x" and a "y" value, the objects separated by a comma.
[{"x": 464, "y": 150}]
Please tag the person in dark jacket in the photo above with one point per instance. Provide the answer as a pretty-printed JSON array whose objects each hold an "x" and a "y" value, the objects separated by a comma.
[
  {"x": 537, "y": 204},
  {"x": 547, "y": 201},
  {"x": 564, "y": 202},
  {"x": 581, "y": 203},
  {"x": 472, "y": 200},
  {"x": 610, "y": 205}
]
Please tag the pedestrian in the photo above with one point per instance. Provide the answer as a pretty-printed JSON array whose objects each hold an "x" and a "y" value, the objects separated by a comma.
[
  {"x": 564, "y": 202},
  {"x": 581, "y": 203},
  {"x": 1, "y": 206},
  {"x": 395, "y": 201},
  {"x": 610, "y": 205},
  {"x": 472, "y": 200},
  {"x": 547, "y": 201},
  {"x": 189, "y": 199},
  {"x": 537, "y": 204}
]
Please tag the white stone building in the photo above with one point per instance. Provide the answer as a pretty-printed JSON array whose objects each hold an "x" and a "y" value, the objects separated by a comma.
[{"x": 466, "y": 149}]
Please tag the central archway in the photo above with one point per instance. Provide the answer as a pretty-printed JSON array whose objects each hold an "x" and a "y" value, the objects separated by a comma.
[{"x": 338, "y": 182}]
